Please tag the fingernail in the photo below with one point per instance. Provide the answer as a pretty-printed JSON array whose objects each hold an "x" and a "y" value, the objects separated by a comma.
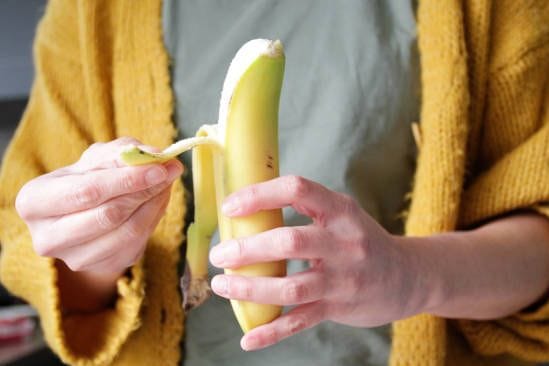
[
  {"x": 230, "y": 207},
  {"x": 249, "y": 343},
  {"x": 155, "y": 175},
  {"x": 222, "y": 253},
  {"x": 219, "y": 285}
]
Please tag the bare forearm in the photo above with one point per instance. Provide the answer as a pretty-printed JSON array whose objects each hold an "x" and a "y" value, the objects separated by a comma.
[{"x": 486, "y": 273}]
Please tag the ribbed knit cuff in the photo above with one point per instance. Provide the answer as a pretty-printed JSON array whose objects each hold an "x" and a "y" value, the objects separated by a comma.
[{"x": 91, "y": 339}]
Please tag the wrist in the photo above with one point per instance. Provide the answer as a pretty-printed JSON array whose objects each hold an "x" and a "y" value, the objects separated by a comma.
[
  {"x": 486, "y": 273},
  {"x": 85, "y": 291},
  {"x": 423, "y": 275}
]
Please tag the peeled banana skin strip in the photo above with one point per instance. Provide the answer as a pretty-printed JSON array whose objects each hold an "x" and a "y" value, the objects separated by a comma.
[{"x": 134, "y": 155}]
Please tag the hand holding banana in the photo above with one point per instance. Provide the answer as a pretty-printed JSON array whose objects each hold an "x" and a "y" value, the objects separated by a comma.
[
  {"x": 352, "y": 258},
  {"x": 356, "y": 273}
]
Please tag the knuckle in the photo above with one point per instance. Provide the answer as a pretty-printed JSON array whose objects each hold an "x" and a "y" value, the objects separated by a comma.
[
  {"x": 88, "y": 159},
  {"x": 241, "y": 289},
  {"x": 294, "y": 242},
  {"x": 47, "y": 245},
  {"x": 251, "y": 194},
  {"x": 86, "y": 194},
  {"x": 109, "y": 216},
  {"x": 296, "y": 323},
  {"x": 22, "y": 204},
  {"x": 348, "y": 204},
  {"x": 165, "y": 199},
  {"x": 271, "y": 336},
  {"x": 134, "y": 230},
  {"x": 297, "y": 186},
  {"x": 128, "y": 182},
  {"x": 47, "y": 242},
  {"x": 151, "y": 192},
  {"x": 358, "y": 245},
  {"x": 239, "y": 246},
  {"x": 93, "y": 147},
  {"x": 294, "y": 292},
  {"x": 92, "y": 150}
]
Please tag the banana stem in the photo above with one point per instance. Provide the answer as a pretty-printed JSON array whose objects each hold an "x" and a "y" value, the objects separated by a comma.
[
  {"x": 200, "y": 232},
  {"x": 194, "y": 282},
  {"x": 198, "y": 244}
]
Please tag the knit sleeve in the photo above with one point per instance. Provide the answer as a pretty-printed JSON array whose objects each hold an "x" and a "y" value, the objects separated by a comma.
[
  {"x": 520, "y": 181},
  {"x": 54, "y": 131},
  {"x": 513, "y": 164}
]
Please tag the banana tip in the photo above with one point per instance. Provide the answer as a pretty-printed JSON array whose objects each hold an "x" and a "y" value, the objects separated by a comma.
[{"x": 276, "y": 48}]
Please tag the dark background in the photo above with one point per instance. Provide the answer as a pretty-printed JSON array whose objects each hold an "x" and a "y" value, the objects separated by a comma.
[
  {"x": 18, "y": 19},
  {"x": 17, "y": 24}
]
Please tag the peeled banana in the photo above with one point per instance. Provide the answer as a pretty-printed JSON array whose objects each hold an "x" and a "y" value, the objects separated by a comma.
[{"x": 241, "y": 149}]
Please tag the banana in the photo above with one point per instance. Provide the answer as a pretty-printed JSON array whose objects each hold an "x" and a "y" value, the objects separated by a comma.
[{"x": 241, "y": 149}]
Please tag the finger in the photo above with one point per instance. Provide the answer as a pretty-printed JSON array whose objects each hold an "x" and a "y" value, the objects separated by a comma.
[
  {"x": 300, "y": 288},
  {"x": 106, "y": 155},
  {"x": 126, "y": 243},
  {"x": 116, "y": 263},
  {"x": 299, "y": 242},
  {"x": 83, "y": 226},
  {"x": 55, "y": 196},
  {"x": 306, "y": 197},
  {"x": 295, "y": 321},
  {"x": 112, "y": 252}
]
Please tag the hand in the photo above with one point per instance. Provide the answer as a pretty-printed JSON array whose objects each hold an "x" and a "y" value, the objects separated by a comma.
[
  {"x": 357, "y": 276},
  {"x": 97, "y": 214}
]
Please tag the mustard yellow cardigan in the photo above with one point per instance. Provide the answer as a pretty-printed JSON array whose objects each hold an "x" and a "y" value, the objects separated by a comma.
[{"x": 102, "y": 72}]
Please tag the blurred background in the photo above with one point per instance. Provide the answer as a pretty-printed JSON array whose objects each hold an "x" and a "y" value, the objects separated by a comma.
[
  {"x": 21, "y": 342},
  {"x": 18, "y": 21}
]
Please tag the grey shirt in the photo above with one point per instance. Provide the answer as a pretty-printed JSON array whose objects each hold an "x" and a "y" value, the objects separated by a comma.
[{"x": 350, "y": 92}]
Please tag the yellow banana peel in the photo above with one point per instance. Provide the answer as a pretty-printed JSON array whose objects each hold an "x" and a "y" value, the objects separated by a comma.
[{"x": 241, "y": 149}]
